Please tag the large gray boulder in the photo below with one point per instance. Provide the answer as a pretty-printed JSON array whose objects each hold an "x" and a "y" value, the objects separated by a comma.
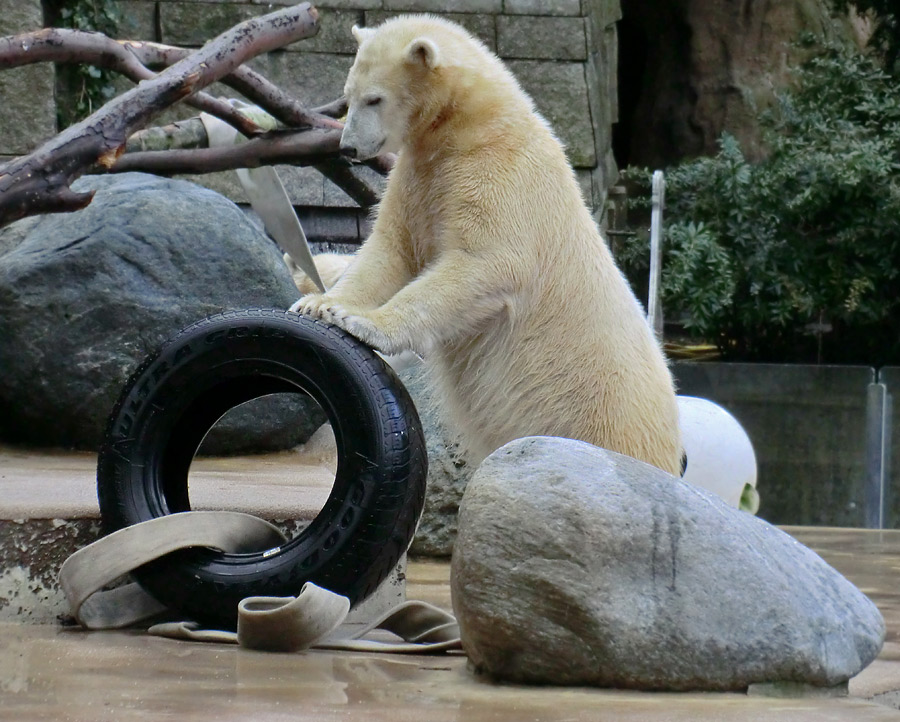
[
  {"x": 86, "y": 296},
  {"x": 579, "y": 566}
]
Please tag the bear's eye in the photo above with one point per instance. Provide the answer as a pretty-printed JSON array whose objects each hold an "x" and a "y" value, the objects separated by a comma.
[{"x": 375, "y": 100}]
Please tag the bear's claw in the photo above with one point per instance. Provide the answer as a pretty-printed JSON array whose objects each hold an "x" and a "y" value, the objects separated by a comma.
[
  {"x": 320, "y": 306},
  {"x": 362, "y": 328},
  {"x": 314, "y": 304}
]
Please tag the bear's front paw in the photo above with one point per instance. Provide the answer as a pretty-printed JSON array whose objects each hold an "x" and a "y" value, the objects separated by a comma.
[
  {"x": 365, "y": 329},
  {"x": 315, "y": 305},
  {"x": 354, "y": 322}
]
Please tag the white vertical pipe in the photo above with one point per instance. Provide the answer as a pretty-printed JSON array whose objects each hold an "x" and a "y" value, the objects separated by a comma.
[{"x": 654, "y": 303}]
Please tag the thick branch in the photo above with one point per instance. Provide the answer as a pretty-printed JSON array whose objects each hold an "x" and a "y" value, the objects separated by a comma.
[
  {"x": 303, "y": 147},
  {"x": 334, "y": 109},
  {"x": 136, "y": 59},
  {"x": 39, "y": 181},
  {"x": 187, "y": 133},
  {"x": 340, "y": 172},
  {"x": 255, "y": 87},
  {"x": 61, "y": 45}
]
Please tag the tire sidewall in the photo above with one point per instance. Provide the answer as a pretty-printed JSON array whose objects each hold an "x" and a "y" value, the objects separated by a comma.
[{"x": 155, "y": 430}]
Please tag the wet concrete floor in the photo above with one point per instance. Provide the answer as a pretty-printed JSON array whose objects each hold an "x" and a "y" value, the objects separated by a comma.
[
  {"x": 56, "y": 484},
  {"x": 52, "y": 673},
  {"x": 48, "y": 672}
]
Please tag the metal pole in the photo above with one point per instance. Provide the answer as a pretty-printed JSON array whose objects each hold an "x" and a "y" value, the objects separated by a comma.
[
  {"x": 654, "y": 304},
  {"x": 878, "y": 419}
]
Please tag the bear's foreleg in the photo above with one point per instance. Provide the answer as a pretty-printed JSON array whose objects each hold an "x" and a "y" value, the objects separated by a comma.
[
  {"x": 380, "y": 269},
  {"x": 454, "y": 297}
]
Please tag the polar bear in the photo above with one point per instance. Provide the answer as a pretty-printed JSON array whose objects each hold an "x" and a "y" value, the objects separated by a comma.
[
  {"x": 331, "y": 267},
  {"x": 484, "y": 259}
]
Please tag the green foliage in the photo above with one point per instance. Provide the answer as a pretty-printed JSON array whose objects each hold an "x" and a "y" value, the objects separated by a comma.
[
  {"x": 886, "y": 33},
  {"x": 797, "y": 257},
  {"x": 699, "y": 276},
  {"x": 90, "y": 86}
]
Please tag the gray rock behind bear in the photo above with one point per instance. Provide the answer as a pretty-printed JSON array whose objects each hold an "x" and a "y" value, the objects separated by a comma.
[
  {"x": 448, "y": 473},
  {"x": 86, "y": 296},
  {"x": 575, "y": 565}
]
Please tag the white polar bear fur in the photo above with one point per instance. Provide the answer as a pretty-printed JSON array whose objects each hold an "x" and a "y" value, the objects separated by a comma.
[
  {"x": 484, "y": 258},
  {"x": 331, "y": 267}
]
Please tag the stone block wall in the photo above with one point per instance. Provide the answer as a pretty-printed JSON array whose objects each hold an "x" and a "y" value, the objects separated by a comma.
[
  {"x": 562, "y": 51},
  {"x": 27, "y": 105}
]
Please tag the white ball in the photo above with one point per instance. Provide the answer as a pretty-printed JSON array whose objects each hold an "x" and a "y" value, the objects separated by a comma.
[{"x": 719, "y": 453}]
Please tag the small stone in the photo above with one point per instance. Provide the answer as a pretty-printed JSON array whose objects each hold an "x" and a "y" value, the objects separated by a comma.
[{"x": 579, "y": 566}]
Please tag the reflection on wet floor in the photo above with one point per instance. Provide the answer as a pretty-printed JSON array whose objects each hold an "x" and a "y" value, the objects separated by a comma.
[
  {"x": 49, "y": 673},
  {"x": 71, "y": 675}
]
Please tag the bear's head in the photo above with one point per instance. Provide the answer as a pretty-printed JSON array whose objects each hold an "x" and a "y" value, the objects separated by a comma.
[{"x": 405, "y": 75}]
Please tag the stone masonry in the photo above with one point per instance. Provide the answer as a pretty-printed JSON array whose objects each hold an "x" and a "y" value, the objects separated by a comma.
[
  {"x": 562, "y": 51},
  {"x": 27, "y": 106}
]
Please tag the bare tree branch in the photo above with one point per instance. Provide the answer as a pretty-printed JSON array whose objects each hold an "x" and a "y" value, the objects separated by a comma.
[
  {"x": 151, "y": 150},
  {"x": 136, "y": 59},
  {"x": 334, "y": 109},
  {"x": 339, "y": 172},
  {"x": 39, "y": 182},
  {"x": 299, "y": 147},
  {"x": 62, "y": 45},
  {"x": 182, "y": 134},
  {"x": 255, "y": 87},
  {"x": 382, "y": 163}
]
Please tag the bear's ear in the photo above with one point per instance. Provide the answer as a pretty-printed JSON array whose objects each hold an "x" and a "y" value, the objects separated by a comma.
[
  {"x": 424, "y": 51},
  {"x": 361, "y": 34}
]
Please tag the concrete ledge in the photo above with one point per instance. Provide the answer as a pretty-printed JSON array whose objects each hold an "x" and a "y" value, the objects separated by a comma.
[
  {"x": 62, "y": 485},
  {"x": 32, "y": 552},
  {"x": 48, "y": 511}
]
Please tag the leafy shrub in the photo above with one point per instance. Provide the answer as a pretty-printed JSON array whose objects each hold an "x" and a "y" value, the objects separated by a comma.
[
  {"x": 797, "y": 257},
  {"x": 886, "y": 28},
  {"x": 86, "y": 86}
]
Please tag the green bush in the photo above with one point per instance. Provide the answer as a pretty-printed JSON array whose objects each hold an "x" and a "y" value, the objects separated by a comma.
[
  {"x": 85, "y": 87},
  {"x": 885, "y": 37},
  {"x": 796, "y": 257}
]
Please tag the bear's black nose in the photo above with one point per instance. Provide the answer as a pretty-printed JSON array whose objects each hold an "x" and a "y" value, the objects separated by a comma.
[{"x": 348, "y": 150}]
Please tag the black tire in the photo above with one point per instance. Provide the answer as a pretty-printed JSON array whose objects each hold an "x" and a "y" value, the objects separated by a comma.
[{"x": 179, "y": 393}]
